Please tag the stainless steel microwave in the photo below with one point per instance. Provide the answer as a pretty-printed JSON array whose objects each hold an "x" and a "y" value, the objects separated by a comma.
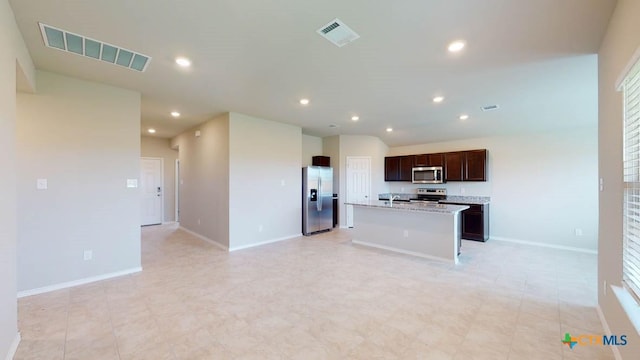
[{"x": 427, "y": 175}]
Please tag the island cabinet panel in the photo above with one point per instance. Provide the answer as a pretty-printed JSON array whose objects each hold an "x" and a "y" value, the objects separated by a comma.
[
  {"x": 398, "y": 168},
  {"x": 453, "y": 166},
  {"x": 475, "y": 165},
  {"x": 428, "y": 160}
]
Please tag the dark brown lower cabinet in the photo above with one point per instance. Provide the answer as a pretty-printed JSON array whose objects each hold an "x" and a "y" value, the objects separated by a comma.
[{"x": 475, "y": 221}]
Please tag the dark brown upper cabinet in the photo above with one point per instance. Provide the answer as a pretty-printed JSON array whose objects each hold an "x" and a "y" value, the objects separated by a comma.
[
  {"x": 428, "y": 160},
  {"x": 468, "y": 165},
  {"x": 453, "y": 166},
  {"x": 398, "y": 168},
  {"x": 475, "y": 165},
  {"x": 321, "y": 161}
]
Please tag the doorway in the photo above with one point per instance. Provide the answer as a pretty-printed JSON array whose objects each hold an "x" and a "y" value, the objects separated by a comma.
[
  {"x": 358, "y": 183},
  {"x": 151, "y": 189}
]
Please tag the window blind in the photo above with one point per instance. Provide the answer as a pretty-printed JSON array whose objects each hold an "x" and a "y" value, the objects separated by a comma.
[{"x": 631, "y": 166}]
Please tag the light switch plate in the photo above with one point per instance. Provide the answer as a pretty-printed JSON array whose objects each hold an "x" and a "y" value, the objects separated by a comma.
[
  {"x": 41, "y": 184},
  {"x": 132, "y": 183}
]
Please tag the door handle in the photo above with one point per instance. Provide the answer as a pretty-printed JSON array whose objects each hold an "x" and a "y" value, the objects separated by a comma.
[{"x": 319, "y": 202}]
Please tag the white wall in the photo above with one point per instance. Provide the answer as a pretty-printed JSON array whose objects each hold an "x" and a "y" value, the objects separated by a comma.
[
  {"x": 265, "y": 181},
  {"x": 242, "y": 179},
  {"x": 14, "y": 54},
  {"x": 542, "y": 186},
  {"x": 618, "y": 46},
  {"x": 339, "y": 147},
  {"x": 82, "y": 137},
  {"x": 204, "y": 172},
  {"x": 311, "y": 146},
  {"x": 331, "y": 148},
  {"x": 161, "y": 148}
]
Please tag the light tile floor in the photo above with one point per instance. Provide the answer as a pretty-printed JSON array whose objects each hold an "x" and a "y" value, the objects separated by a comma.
[{"x": 321, "y": 297}]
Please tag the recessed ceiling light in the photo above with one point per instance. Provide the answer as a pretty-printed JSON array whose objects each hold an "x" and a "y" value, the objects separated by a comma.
[
  {"x": 151, "y": 131},
  {"x": 175, "y": 114},
  {"x": 355, "y": 118},
  {"x": 304, "y": 101},
  {"x": 464, "y": 117},
  {"x": 389, "y": 129},
  {"x": 456, "y": 46},
  {"x": 183, "y": 62},
  {"x": 438, "y": 99}
]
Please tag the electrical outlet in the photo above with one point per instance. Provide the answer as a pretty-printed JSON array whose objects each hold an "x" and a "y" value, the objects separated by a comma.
[
  {"x": 88, "y": 255},
  {"x": 41, "y": 184},
  {"x": 260, "y": 228},
  {"x": 462, "y": 190},
  {"x": 405, "y": 233},
  {"x": 578, "y": 232},
  {"x": 604, "y": 287},
  {"x": 401, "y": 189},
  {"x": 198, "y": 221}
]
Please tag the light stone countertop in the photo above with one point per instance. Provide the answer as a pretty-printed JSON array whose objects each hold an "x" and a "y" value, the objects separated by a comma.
[
  {"x": 404, "y": 206},
  {"x": 471, "y": 200}
]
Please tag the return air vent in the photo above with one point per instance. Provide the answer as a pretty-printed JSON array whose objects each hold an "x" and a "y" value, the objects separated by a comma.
[
  {"x": 490, "y": 107},
  {"x": 338, "y": 33},
  {"x": 81, "y": 45}
]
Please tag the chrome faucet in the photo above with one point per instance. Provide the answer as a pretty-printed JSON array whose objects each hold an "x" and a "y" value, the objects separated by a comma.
[{"x": 391, "y": 198}]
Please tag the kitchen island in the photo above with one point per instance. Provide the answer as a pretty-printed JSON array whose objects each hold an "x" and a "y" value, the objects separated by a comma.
[{"x": 425, "y": 230}]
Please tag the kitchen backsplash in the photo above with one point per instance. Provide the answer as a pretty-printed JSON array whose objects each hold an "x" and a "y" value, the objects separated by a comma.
[{"x": 453, "y": 188}]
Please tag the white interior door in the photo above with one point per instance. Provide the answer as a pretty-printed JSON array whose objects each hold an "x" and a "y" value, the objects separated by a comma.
[
  {"x": 151, "y": 189},
  {"x": 358, "y": 182}
]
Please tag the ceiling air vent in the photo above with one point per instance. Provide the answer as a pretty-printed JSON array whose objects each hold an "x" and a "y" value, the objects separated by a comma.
[
  {"x": 490, "y": 107},
  {"x": 338, "y": 33},
  {"x": 98, "y": 50}
]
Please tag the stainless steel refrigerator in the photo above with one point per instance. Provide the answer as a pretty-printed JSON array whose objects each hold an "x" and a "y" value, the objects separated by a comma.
[{"x": 317, "y": 199}]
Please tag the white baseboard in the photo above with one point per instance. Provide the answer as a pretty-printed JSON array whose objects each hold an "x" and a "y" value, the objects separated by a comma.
[
  {"x": 202, "y": 237},
  {"x": 169, "y": 222},
  {"x": 69, "y": 284},
  {"x": 264, "y": 242},
  {"x": 14, "y": 347},
  {"x": 552, "y": 246},
  {"x": 431, "y": 257},
  {"x": 607, "y": 330}
]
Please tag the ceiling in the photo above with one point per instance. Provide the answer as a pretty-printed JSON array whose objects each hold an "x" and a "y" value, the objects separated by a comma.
[{"x": 534, "y": 58}]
